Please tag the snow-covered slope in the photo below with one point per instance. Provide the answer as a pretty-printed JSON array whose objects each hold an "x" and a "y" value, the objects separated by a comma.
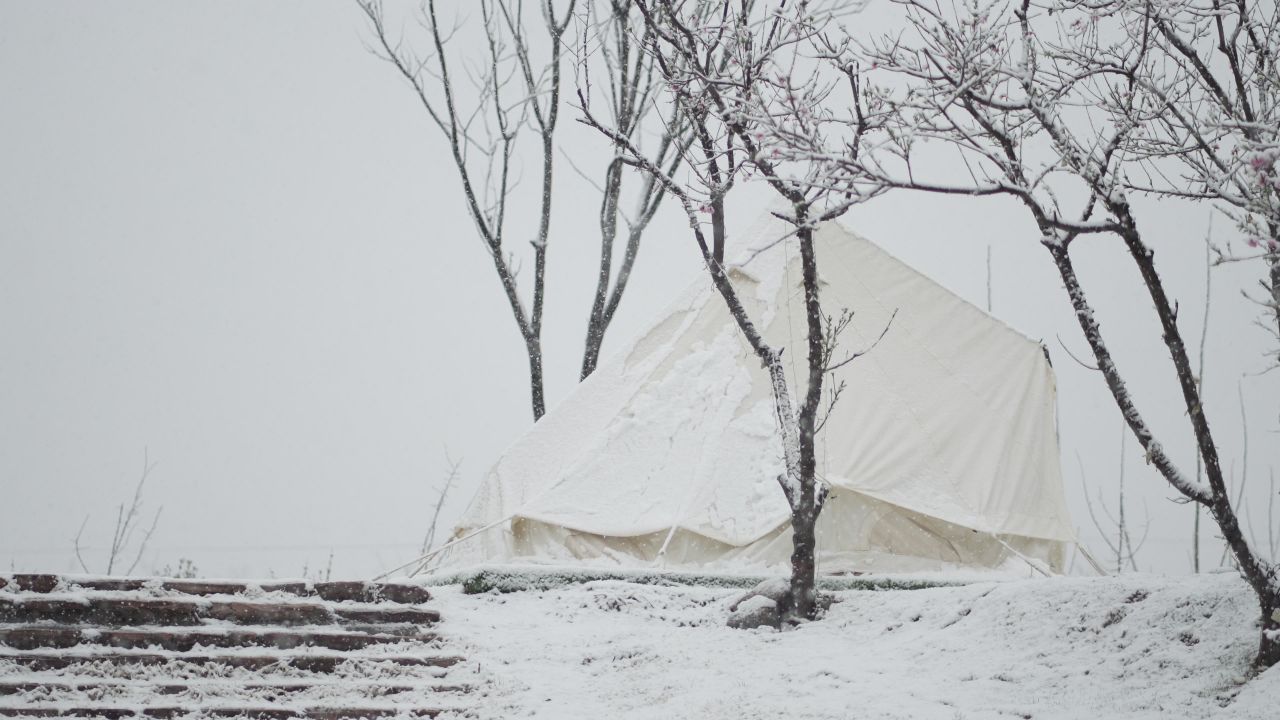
[{"x": 1131, "y": 647}]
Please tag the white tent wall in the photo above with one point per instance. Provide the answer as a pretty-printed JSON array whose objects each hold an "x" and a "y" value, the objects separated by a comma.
[
  {"x": 856, "y": 534},
  {"x": 942, "y": 451}
]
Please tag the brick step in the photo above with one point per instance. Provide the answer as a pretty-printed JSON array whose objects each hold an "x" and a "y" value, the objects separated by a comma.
[
  {"x": 104, "y": 611},
  {"x": 310, "y": 662},
  {"x": 211, "y": 688},
  {"x": 180, "y": 639},
  {"x": 365, "y": 592},
  {"x": 405, "y": 615},
  {"x": 149, "y": 611},
  {"x": 96, "y": 647},
  {"x": 259, "y": 712}
]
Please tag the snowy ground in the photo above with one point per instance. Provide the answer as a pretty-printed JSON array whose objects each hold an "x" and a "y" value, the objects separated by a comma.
[{"x": 1130, "y": 647}]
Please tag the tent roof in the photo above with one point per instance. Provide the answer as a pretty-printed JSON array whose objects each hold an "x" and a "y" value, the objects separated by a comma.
[{"x": 951, "y": 415}]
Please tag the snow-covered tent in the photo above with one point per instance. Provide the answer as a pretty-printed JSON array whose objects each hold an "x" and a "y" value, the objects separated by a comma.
[{"x": 942, "y": 452}]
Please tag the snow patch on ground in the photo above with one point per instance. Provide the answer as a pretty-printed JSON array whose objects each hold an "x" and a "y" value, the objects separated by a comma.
[{"x": 1129, "y": 647}]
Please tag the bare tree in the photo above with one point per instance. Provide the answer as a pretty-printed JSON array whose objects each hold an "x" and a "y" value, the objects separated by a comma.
[
  {"x": 1211, "y": 77},
  {"x": 449, "y": 480},
  {"x": 1124, "y": 549},
  {"x": 127, "y": 525},
  {"x": 731, "y": 70},
  {"x": 1042, "y": 105},
  {"x": 513, "y": 98},
  {"x": 514, "y": 92},
  {"x": 615, "y": 37}
]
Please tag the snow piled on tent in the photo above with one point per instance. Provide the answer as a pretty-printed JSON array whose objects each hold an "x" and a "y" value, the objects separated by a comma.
[
  {"x": 1130, "y": 647},
  {"x": 704, "y": 389}
]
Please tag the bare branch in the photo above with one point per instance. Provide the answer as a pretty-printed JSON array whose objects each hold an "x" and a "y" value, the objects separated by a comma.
[
  {"x": 869, "y": 348},
  {"x": 79, "y": 558},
  {"x": 126, "y": 525}
]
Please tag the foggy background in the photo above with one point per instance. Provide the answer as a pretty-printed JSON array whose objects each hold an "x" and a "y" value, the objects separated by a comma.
[{"x": 230, "y": 237}]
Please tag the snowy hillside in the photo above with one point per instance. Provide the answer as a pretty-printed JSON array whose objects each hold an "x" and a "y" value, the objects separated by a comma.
[{"x": 1130, "y": 647}]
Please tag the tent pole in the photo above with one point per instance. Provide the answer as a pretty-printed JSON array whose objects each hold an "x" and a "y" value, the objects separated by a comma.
[
  {"x": 441, "y": 549},
  {"x": 662, "y": 551},
  {"x": 1022, "y": 557},
  {"x": 1097, "y": 568}
]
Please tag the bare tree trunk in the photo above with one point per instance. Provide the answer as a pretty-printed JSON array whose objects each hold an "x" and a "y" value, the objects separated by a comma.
[
  {"x": 988, "y": 278},
  {"x": 1269, "y": 646},
  {"x": 1275, "y": 290},
  {"x": 804, "y": 515},
  {"x": 1200, "y": 379},
  {"x": 714, "y": 80},
  {"x": 1122, "y": 532},
  {"x": 1260, "y": 576},
  {"x": 607, "y": 299},
  {"x": 991, "y": 131},
  {"x": 1244, "y": 470},
  {"x": 630, "y": 83},
  {"x": 798, "y": 432},
  {"x": 804, "y": 552},
  {"x": 1271, "y": 521},
  {"x": 514, "y": 94},
  {"x": 1119, "y": 391},
  {"x": 608, "y": 232},
  {"x": 537, "y": 393}
]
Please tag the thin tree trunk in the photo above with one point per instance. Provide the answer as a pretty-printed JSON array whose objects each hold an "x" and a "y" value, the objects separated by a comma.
[
  {"x": 1122, "y": 532},
  {"x": 1219, "y": 501},
  {"x": 1275, "y": 294},
  {"x": 608, "y": 232},
  {"x": 607, "y": 299},
  {"x": 1244, "y": 466},
  {"x": 537, "y": 397},
  {"x": 537, "y": 391},
  {"x": 1200, "y": 379},
  {"x": 1144, "y": 257},
  {"x": 631, "y": 82},
  {"x": 797, "y": 432},
  {"x": 1260, "y": 576},
  {"x": 988, "y": 278},
  {"x": 455, "y": 123},
  {"x": 1119, "y": 391}
]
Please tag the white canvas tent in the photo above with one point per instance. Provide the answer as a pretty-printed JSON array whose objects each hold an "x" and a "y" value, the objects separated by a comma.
[{"x": 942, "y": 451}]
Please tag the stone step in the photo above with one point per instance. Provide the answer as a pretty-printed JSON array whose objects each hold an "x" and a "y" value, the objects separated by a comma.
[
  {"x": 148, "y": 611},
  {"x": 104, "y": 611},
  {"x": 402, "y": 593},
  {"x": 405, "y": 615},
  {"x": 310, "y": 662},
  {"x": 30, "y": 582},
  {"x": 206, "y": 688},
  {"x": 31, "y": 637},
  {"x": 257, "y": 712},
  {"x": 160, "y": 648},
  {"x": 365, "y": 592}
]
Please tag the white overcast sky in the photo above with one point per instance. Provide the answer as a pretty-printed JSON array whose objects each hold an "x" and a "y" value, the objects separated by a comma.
[{"x": 229, "y": 237}]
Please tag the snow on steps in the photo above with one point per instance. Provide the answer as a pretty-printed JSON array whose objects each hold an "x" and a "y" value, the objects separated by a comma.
[{"x": 125, "y": 647}]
